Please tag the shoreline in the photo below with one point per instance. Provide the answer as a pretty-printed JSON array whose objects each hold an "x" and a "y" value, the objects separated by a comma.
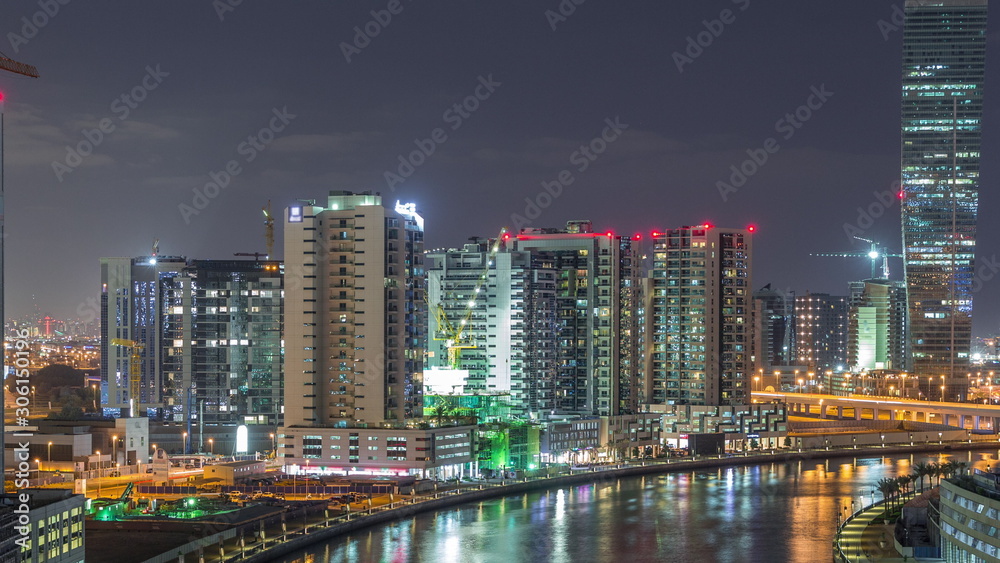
[{"x": 591, "y": 477}]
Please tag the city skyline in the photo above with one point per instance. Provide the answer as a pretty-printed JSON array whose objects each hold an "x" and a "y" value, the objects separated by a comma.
[{"x": 539, "y": 95}]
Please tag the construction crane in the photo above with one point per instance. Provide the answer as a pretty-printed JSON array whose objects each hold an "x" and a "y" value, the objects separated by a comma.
[
  {"x": 134, "y": 372},
  {"x": 11, "y": 65},
  {"x": 268, "y": 228},
  {"x": 876, "y": 253},
  {"x": 455, "y": 335}
]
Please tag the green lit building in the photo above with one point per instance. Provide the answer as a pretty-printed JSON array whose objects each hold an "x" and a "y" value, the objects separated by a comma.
[{"x": 944, "y": 50}]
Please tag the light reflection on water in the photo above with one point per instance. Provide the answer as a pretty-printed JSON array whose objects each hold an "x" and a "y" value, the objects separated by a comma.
[{"x": 769, "y": 513}]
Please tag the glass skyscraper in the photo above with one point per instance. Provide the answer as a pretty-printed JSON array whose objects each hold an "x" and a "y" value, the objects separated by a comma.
[{"x": 944, "y": 48}]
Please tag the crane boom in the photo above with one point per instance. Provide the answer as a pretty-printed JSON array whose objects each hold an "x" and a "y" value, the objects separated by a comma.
[
  {"x": 455, "y": 334},
  {"x": 268, "y": 229},
  {"x": 11, "y": 65},
  {"x": 875, "y": 253}
]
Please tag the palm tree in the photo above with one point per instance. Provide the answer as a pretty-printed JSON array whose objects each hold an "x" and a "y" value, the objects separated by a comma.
[
  {"x": 887, "y": 487},
  {"x": 961, "y": 467},
  {"x": 921, "y": 470}
]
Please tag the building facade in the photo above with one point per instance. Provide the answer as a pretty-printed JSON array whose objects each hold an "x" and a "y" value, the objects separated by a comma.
[
  {"x": 821, "y": 327},
  {"x": 876, "y": 332},
  {"x": 133, "y": 296},
  {"x": 597, "y": 298},
  {"x": 774, "y": 328},
  {"x": 493, "y": 319},
  {"x": 210, "y": 332},
  {"x": 223, "y": 343},
  {"x": 55, "y": 532},
  {"x": 354, "y": 312},
  {"x": 699, "y": 317},
  {"x": 944, "y": 48}
]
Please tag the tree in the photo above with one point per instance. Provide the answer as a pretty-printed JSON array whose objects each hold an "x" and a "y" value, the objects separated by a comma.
[
  {"x": 921, "y": 470},
  {"x": 788, "y": 442},
  {"x": 71, "y": 410}
]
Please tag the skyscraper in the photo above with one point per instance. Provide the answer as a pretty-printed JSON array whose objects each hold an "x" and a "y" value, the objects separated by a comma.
[
  {"x": 821, "y": 327},
  {"x": 210, "y": 332},
  {"x": 223, "y": 344},
  {"x": 503, "y": 303},
  {"x": 355, "y": 319},
  {"x": 699, "y": 317},
  {"x": 133, "y": 294},
  {"x": 944, "y": 48},
  {"x": 354, "y": 311},
  {"x": 597, "y": 302},
  {"x": 876, "y": 333}
]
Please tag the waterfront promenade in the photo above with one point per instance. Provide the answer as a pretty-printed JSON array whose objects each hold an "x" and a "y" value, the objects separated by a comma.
[{"x": 299, "y": 532}]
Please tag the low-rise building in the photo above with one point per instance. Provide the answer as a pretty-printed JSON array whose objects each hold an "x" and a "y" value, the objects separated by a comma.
[
  {"x": 442, "y": 452},
  {"x": 235, "y": 471},
  {"x": 766, "y": 423},
  {"x": 54, "y": 532}
]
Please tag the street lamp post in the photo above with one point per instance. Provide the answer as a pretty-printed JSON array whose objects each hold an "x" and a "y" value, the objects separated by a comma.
[
  {"x": 756, "y": 382},
  {"x": 211, "y": 446},
  {"x": 94, "y": 389},
  {"x": 49, "y": 460},
  {"x": 800, "y": 385},
  {"x": 114, "y": 448},
  {"x": 184, "y": 442}
]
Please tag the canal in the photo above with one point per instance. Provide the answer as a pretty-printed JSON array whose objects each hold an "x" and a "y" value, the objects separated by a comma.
[{"x": 770, "y": 513}]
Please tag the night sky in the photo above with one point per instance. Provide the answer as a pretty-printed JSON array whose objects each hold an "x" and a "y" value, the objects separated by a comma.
[{"x": 211, "y": 82}]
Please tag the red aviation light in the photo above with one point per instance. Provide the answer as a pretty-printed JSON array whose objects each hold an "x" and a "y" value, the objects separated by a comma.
[
  {"x": 610, "y": 234},
  {"x": 707, "y": 226},
  {"x": 900, "y": 195},
  {"x": 751, "y": 228},
  {"x": 655, "y": 234},
  {"x": 637, "y": 236}
]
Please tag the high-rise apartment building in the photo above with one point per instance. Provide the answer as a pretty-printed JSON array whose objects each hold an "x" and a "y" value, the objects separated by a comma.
[
  {"x": 354, "y": 311},
  {"x": 876, "y": 333},
  {"x": 493, "y": 318},
  {"x": 223, "y": 345},
  {"x": 597, "y": 296},
  {"x": 944, "y": 48},
  {"x": 133, "y": 302},
  {"x": 774, "y": 327},
  {"x": 821, "y": 326},
  {"x": 210, "y": 333},
  {"x": 699, "y": 317},
  {"x": 355, "y": 321}
]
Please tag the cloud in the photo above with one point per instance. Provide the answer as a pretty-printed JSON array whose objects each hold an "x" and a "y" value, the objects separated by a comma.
[{"x": 335, "y": 143}]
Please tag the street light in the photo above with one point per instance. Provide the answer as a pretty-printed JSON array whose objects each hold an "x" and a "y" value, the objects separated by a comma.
[
  {"x": 94, "y": 389},
  {"x": 211, "y": 446},
  {"x": 942, "y": 393},
  {"x": 883, "y": 439},
  {"x": 800, "y": 384},
  {"x": 184, "y": 442},
  {"x": 756, "y": 381},
  {"x": 114, "y": 448}
]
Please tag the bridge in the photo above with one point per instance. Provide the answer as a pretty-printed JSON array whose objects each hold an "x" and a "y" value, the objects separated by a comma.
[{"x": 864, "y": 407}]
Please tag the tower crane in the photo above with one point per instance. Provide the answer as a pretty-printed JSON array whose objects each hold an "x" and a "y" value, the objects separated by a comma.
[
  {"x": 268, "y": 229},
  {"x": 455, "y": 335},
  {"x": 875, "y": 253},
  {"x": 134, "y": 372}
]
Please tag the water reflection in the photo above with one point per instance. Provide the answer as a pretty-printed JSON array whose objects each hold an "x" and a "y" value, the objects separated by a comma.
[{"x": 783, "y": 511}]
